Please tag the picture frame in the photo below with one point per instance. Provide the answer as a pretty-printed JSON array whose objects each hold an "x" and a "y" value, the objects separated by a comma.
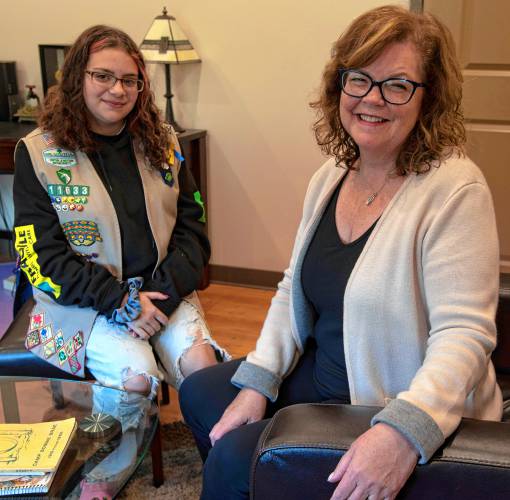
[{"x": 52, "y": 59}]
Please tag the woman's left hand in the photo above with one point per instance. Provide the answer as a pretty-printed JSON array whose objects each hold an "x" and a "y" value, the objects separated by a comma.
[{"x": 375, "y": 467}]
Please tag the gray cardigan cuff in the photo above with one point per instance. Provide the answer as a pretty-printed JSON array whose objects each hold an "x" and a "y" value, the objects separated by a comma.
[
  {"x": 258, "y": 378},
  {"x": 416, "y": 425}
]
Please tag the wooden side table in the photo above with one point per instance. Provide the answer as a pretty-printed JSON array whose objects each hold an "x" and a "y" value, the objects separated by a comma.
[{"x": 193, "y": 144}]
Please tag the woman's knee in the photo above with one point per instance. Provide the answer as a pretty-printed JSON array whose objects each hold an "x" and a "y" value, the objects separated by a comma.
[{"x": 204, "y": 395}]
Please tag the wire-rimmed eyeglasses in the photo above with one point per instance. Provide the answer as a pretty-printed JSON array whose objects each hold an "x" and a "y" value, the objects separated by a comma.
[
  {"x": 107, "y": 80},
  {"x": 393, "y": 90}
]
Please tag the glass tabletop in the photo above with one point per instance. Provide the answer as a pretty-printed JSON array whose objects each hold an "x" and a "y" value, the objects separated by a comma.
[{"x": 102, "y": 461}]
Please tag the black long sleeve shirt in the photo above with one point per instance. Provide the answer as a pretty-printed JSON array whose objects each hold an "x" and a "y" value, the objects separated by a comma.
[{"x": 88, "y": 284}]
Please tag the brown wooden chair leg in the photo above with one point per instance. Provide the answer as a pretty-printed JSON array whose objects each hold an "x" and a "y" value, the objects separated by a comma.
[
  {"x": 165, "y": 394},
  {"x": 57, "y": 394},
  {"x": 157, "y": 458}
]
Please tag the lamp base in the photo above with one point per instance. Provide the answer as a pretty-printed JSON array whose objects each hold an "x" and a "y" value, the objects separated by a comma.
[{"x": 169, "y": 115}]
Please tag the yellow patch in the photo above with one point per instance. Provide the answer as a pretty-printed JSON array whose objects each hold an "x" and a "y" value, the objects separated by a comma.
[
  {"x": 170, "y": 155},
  {"x": 24, "y": 244}
]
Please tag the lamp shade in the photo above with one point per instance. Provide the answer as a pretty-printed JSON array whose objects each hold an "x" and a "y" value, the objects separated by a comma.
[{"x": 165, "y": 42}]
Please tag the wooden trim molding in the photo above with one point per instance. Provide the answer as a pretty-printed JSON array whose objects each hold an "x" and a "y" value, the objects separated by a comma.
[{"x": 256, "y": 278}]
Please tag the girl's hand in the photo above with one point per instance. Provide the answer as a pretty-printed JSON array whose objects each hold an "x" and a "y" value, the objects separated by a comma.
[{"x": 151, "y": 319}]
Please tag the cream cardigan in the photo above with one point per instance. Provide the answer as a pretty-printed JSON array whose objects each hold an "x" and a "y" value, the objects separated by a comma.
[{"x": 419, "y": 306}]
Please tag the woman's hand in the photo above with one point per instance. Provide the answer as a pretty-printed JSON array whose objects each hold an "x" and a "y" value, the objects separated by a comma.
[
  {"x": 151, "y": 319},
  {"x": 249, "y": 406},
  {"x": 376, "y": 466}
]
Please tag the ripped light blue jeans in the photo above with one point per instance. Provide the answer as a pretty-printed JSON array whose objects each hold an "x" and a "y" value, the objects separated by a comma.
[{"x": 113, "y": 357}]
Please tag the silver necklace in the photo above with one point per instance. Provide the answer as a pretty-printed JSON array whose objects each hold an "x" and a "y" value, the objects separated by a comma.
[{"x": 374, "y": 194}]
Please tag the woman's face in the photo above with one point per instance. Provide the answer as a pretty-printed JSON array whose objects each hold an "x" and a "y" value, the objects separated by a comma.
[
  {"x": 108, "y": 107},
  {"x": 379, "y": 128}
]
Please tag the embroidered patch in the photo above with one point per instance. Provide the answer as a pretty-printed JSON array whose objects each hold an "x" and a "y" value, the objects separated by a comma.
[
  {"x": 69, "y": 347},
  {"x": 59, "y": 339},
  {"x": 198, "y": 199},
  {"x": 49, "y": 348},
  {"x": 64, "y": 175},
  {"x": 36, "y": 321},
  {"x": 170, "y": 155},
  {"x": 74, "y": 364},
  {"x": 168, "y": 177},
  {"x": 32, "y": 339},
  {"x": 62, "y": 356},
  {"x": 57, "y": 157},
  {"x": 178, "y": 155},
  {"x": 78, "y": 340},
  {"x": 81, "y": 232},
  {"x": 48, "y": 139},
  {"x": 46, "y": 333},
  {"x": 24, "y": 244},
  {"x": 68, "y": 190}
]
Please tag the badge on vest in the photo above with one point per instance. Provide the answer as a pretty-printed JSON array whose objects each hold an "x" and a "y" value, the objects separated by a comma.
[
  {"x": 68, "y": 197},
  {"x": 48, "y": 139},
  {"x": 24, "y": 245},
  {"x": 168, "y": 177},
  {"x": 57, "y": 157},
  {"x": 81, "y": 232},
  {"x": 64, "y": 175}
]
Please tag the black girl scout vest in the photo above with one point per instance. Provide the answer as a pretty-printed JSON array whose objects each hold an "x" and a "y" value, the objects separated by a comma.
[{"x": 57, "y": 333}]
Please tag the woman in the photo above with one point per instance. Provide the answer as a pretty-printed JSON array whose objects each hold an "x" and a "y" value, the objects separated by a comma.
[
  {"x": 110, "y": 228},
  {"x": 391, "y": 291}
]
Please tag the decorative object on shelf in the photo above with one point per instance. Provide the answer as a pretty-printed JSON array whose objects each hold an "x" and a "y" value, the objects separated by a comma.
[
  {"x": 30, "y": 111},
  {"x": 166, "y": 43},
  {"x": 99, "y": 425},
  {"x": 52, "y": 59}
]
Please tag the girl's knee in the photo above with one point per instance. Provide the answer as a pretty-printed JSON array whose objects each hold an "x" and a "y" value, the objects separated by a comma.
[
  {"x": 200, "y": 354},
  {"x": 141, "y": 382}
]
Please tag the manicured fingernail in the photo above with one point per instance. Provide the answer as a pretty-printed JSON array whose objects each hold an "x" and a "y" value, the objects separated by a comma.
[{"x": 330, "y": 477}]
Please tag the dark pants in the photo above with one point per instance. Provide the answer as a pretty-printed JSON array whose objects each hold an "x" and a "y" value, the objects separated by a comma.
[{"x": 203, "y": 398}]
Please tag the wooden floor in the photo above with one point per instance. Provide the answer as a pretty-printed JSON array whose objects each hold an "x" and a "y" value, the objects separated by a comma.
[{"x": 234, "y": 315}]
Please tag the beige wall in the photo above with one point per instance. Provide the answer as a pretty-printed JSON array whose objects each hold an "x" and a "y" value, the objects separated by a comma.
[{"x": 262, "y": 59}]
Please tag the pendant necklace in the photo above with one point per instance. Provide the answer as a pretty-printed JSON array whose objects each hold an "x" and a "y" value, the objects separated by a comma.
[{"x": 374, "y": 195}]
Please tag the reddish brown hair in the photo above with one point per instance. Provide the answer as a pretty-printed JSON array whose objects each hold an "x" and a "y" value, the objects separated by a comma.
[
  {"x": 439, "y": 130},
  {"x": 65, "y": 115}
]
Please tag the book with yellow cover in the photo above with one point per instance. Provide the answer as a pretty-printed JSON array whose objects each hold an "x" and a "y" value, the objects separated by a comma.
[{"x": 32, "y": 449}]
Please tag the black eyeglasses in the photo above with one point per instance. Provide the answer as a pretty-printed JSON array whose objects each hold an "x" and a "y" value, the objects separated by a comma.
[
  {"x": 107, "y": 80},
  {"x": 393, "y": 90}
]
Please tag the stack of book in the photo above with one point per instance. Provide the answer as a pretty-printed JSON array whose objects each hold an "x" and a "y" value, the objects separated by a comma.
[{"x": 31, "y": 453}]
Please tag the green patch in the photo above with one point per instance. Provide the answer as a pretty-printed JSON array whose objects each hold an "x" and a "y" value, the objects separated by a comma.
[
  {"x": 198, "y": 199},
  {"x": 64, "y": 175}
]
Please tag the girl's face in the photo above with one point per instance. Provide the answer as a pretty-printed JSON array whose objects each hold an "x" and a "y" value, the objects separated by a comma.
[{"x": 107, "y": 105}]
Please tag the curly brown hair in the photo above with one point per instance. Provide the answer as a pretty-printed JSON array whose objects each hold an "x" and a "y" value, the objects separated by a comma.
[
  {"x": 65, "y": 112},
  {"x": 439, "y": 130}
]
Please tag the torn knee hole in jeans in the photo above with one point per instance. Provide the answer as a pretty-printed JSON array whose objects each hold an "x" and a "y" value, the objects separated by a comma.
[{"x": 150, "y": 382}]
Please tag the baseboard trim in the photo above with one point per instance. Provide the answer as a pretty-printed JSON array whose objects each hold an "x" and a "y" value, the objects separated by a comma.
[{"x": 256, "y": 278}]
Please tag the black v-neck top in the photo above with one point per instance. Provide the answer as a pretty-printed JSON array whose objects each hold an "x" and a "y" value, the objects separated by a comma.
[{"x": 327, "y": 265}]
